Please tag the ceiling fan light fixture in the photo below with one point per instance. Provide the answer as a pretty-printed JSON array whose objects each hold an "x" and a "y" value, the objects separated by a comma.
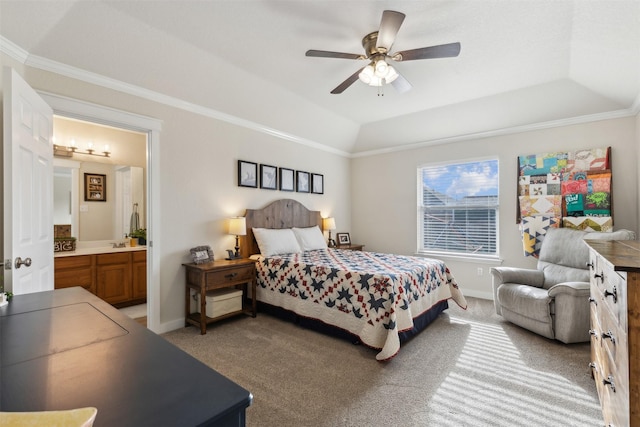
[
  {"x": 367, "y": 74},
  {"x": 376, "y": 81},
  {"x": 392, "y": 74},
  {"x": 382, "y": 68}
]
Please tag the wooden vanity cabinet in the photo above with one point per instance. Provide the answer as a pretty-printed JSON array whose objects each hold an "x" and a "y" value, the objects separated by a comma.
[
  {"x": 75, "y": 271},
  {"x": 113, "y": 277},
  {"x": 139, "y": 275},
  {"x": 119, "y": 278}
]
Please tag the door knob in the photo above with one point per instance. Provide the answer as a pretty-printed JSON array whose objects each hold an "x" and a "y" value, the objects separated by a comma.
[{"x": 20, "y": 262}]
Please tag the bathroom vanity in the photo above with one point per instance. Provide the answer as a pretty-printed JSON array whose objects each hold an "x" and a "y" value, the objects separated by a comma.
[{"x": 116, "y": 275}]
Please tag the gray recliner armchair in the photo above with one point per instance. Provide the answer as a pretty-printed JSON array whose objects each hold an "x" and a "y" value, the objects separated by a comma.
[{"x": 552, "y": 300}]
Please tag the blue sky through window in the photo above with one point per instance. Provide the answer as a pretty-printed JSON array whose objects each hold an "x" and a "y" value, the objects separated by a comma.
[{"x": 463, "y": 179}]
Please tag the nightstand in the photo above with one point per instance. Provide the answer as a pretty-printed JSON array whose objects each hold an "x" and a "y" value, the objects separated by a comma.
[
  {"x": 237, "y": 273},
  {"x": 350, "y": 246}
]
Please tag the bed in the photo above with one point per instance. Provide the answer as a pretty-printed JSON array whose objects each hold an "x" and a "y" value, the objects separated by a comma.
[{"x": 381, "y": 300}]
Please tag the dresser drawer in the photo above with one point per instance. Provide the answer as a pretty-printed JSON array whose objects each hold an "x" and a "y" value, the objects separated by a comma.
[
  {"x": 231, "y": 275},
  {"x": 614, "y": 290},
  {"x": 612, "y": 389}
]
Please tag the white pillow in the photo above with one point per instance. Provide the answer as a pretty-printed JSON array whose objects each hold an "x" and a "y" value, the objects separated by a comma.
[
  {"x": 276, "y": 241},
  {"x": 310, "y": 238}
]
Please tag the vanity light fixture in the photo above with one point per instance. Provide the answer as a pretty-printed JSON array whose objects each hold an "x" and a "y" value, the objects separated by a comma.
[{"x": 72, "y": 148}]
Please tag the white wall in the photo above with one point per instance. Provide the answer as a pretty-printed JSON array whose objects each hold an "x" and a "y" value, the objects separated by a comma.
[
  {"x": 198, "y": 190},
  {"x": 384, "y": 189}
]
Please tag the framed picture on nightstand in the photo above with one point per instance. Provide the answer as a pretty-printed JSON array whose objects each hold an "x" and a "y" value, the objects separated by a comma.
[{"x": 343, "y": 238}]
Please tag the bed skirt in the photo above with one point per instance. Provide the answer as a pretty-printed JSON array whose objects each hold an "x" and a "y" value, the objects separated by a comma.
[{"x": 420, "y": 322}]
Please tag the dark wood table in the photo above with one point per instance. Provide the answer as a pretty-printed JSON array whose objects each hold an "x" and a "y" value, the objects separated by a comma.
[{"x": 67, "y": 349}]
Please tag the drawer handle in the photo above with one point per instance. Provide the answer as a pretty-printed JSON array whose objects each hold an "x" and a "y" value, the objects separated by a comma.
[
  {"x": 593, "y": 366},
  {"x": 593, "y": 300},
  {"x": 590, "y": 265},
  {"x": 231, "y": 275},
  {"x": 599, "y": 276},
  {"x": 609, "y": 335},
  {"x": 609, "y": 381},
  {"x": 613, "y": 294},
  {"x": 593, "y": 333}
]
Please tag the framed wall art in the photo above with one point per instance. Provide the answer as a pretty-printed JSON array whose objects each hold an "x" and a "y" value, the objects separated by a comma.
[
  {"x": 302, "y": 182},
  {"x": 95, "y": 187},
  {"x": 268, "y": 177},
  {"x": 317, "y": 183},
  {"x": 287, "y": 182},
  {"x": 247, "y": 174}
]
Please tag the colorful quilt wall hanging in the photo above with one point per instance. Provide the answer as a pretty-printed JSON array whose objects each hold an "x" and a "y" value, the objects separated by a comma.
[{"x": 563, "y": 189}]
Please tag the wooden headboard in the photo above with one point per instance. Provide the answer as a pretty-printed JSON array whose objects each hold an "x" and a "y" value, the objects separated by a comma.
[{"x": 284, "y": 213}]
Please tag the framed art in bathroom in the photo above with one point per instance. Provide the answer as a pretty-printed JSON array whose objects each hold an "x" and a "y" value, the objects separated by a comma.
[{"x": 95, "y": 187}]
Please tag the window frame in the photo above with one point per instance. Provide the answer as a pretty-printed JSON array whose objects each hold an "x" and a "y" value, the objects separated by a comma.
[{"x": 422, "y": 208}]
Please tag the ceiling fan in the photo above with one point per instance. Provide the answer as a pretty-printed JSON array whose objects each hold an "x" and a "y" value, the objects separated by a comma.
[{"x": 377, "y": 46}]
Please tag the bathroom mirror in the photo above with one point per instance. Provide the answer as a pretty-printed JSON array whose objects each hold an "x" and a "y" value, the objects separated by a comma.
[
  {"x": 98, "y": 220},
  {"x": 121, "y": 172}
]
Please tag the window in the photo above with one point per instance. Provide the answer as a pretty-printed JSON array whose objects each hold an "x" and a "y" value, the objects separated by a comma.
[{"x": 458, "y": 205}]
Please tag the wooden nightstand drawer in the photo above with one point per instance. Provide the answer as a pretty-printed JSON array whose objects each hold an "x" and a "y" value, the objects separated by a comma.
[{"x": 231, "y": 275}]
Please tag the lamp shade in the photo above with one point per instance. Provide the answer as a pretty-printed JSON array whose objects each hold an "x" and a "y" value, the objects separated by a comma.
[
  {"x": 238, "y": 226},
  {"x": 329, "y": 223}
]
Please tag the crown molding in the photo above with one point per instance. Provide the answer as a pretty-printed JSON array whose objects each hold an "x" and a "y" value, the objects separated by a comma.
[
  {"x": 99, "y": 80},
  {"x": 632, "y": 111},
  {"x": 13, "y": 50}
]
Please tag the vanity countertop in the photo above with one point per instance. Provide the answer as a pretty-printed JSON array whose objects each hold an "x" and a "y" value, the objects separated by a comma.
[{"x": 98, "y": 250}]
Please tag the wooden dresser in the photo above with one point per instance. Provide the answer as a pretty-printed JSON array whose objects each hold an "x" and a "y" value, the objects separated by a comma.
[{"x": 615, "y": 329}]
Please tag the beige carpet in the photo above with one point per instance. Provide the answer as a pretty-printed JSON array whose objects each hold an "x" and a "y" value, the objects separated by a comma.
[{"x": 468, "y": 368}]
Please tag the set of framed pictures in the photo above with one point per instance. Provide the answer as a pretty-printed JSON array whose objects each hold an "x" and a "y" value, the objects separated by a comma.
[{"x": 250, "y": 174}]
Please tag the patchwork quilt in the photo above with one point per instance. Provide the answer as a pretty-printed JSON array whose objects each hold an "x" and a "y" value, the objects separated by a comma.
[{"x": 372, "y": 295}]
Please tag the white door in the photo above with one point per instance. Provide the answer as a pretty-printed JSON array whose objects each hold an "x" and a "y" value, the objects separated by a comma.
[{"x": 28, "y": 187}]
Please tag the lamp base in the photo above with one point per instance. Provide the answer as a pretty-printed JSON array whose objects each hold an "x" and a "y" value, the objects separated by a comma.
[{"x": 236, "y": 254}]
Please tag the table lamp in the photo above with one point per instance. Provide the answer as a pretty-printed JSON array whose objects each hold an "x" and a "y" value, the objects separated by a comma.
[
  {"x": 237, "y": 227},
  {"x": 329, "y": 224}
]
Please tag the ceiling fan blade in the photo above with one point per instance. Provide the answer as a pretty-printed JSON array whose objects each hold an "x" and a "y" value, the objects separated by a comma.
[
  {"x": 401, "y": 85},
  {"x": 389, "y": 26},
  {"x": 345, "y": 84},
  {"x": 328, "y": 54},
  {"x": 440, "y": 51}
]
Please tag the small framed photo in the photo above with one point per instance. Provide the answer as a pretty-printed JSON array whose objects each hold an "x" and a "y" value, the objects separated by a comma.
[
  {"x": 95, "y": 187},
  {"x": 201, "y": 254},
  {"x": 247, "y": 174},
  {"x": 286, "y": 179},
  {"x": 302, "y": 182},
  {"x": 317, "y": 183},
  {"x": 268, "y": 177},
  {"x": 343, "y": 238}
]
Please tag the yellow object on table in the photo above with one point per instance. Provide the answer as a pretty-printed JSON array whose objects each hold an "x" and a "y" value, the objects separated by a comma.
[{"x": 81, "y": 417}]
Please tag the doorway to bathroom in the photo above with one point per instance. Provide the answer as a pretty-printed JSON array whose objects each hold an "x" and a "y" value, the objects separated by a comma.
[{"x": 83, "y": 112}]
